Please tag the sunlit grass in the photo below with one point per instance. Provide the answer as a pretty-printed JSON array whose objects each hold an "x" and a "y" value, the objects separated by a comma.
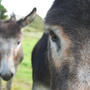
[{"x": 23, "y": 78}]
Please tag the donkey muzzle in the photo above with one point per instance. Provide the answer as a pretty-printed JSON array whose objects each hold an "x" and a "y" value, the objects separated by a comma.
[{"x": 6, "y": 77}]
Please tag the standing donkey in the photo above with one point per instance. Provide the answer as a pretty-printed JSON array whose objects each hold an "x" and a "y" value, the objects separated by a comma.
[{"x": 11, "y": 52}]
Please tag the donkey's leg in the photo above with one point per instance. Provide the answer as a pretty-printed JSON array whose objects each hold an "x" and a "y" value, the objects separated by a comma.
[
  {"x": 9, "y": 84},
  {"x": 0, "y": 84}
]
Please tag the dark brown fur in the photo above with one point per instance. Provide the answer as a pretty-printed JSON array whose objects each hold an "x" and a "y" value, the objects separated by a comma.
[
  {"x": 9, "y": 29},
  {"x": 73, "y": 16},
  {"x": 70, "y": 68}
]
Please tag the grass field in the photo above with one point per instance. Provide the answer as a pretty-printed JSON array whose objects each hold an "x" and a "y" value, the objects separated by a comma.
[{"x": 23, "y": 78}]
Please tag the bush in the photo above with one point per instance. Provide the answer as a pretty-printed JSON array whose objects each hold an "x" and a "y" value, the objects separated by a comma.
[
  {"x": 38, "y": 23},
  {"x": 36, "y": 26}
]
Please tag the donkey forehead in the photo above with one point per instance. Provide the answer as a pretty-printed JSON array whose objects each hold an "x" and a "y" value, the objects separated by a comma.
[
  {"x": 8, "y": 24},
  {"x": 9, "y": 29}
]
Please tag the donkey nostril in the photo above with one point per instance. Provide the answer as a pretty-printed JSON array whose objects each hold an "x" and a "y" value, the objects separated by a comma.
[
  {"x": 7, "y": 77},
  {"x": 12, "y": 74}
]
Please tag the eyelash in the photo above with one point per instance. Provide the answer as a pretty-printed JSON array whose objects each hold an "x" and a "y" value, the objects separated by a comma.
[
  {"x": 53, "y": 36},
  {"x": 55, "y": 39}
]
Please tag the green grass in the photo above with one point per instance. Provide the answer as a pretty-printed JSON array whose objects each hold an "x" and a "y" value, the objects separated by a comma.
[{"x": 23, "y": 77}]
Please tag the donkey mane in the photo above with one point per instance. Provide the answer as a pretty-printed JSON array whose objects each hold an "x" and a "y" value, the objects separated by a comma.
[{"x": 71, "y": 12}]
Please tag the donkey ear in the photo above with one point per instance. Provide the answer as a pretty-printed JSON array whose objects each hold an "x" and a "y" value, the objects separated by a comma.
[
  {"x": 13, "y": 17},
  {"x": 28, "y": 19}
]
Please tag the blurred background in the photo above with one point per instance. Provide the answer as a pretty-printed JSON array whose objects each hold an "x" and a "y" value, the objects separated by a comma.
[{"x": 32, "y": 33}]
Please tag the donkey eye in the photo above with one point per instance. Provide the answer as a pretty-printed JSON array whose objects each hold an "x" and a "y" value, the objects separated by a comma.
[
  {"x": 53, "y": 36},
  {"x": 55, "y": 39},
  {"x": 18, "y": 42}
]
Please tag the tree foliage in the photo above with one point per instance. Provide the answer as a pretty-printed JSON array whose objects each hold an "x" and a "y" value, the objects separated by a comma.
[
  {"x": 38, "y": 23},
  {"x": 36, "y": 26},
  {"x": 2, "y": 11}
]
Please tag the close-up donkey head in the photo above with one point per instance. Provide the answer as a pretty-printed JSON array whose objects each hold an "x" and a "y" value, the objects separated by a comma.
[{"x": 63, "y": 61}]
